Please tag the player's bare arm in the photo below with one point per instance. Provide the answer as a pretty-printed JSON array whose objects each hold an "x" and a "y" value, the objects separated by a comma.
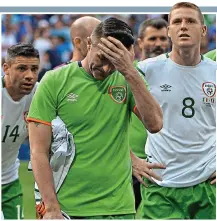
[
  {"x": 149, "y": 110},
  {"x": 40, "y": 141}
]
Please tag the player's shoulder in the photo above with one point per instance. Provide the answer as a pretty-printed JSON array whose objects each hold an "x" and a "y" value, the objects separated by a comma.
[
  {"x": 62, "y": 65},
  {"x": 209, "y": 62},
  {"x": 153, "y": 61},
  {"x": 61, "y": 72}
]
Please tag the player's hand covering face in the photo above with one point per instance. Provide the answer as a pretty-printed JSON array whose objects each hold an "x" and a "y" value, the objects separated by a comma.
[{"x": 113, "y": 50}]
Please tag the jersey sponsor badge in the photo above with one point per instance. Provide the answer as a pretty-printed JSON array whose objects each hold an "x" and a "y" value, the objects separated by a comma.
[
  {"x": 209, "y": 89},
  {"x": 118, "y": 93}
]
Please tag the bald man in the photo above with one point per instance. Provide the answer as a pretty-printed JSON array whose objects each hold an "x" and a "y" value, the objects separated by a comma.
[{"x": 79, "y": 31}]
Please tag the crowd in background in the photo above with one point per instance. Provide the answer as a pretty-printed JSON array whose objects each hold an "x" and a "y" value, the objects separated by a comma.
[{"x": 50, "y": 34}]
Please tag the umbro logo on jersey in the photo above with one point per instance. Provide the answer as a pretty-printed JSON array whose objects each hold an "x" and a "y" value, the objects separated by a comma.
[
  {"x": 165, "y": 87},
  {"x": 72, "y": 97}
]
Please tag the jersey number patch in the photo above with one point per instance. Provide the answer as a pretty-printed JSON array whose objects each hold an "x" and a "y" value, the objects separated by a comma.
[
  {"x": 14, "y": 133},
  {"x": 188, "y": 109}
]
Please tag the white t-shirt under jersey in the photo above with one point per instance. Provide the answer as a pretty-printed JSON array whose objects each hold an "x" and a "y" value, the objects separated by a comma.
[
  {"x": 186, "y": 145},
  {"x": 14, "y": 132}
]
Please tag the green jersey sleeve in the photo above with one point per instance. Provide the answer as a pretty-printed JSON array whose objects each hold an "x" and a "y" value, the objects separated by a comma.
[{"x": 44, "y": 104}]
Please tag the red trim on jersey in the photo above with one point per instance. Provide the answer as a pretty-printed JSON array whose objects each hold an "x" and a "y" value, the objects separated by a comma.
[
  {"x": 29, "y": 119},
  {"x": 134, "y": 109}
]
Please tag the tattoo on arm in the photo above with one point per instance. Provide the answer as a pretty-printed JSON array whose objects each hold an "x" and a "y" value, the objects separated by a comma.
[{"x": 37, "y": 124}]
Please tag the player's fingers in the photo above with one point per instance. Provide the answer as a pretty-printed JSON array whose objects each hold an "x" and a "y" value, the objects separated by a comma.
[
  {"x": 108, "y": 56},
  {"x": 213, "y": 175},
  {"x": 132, "y": 52},
  {"x": 108, "y": 44},
  {"x": 41, "y": 209},
  {"x": 154, "y": 175},
  {"x": 117, "y": 43},
  {"x": 156, "y": 166},
  {"x": 139, "y": 178},
  {"x": 106, "y": 49},
  {"x": 43, "y": 212},
  {"x": 213, "y": 181},
  {"x": 38, "y": 207}
]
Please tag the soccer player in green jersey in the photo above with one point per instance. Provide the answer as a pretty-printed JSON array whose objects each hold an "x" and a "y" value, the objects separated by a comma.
[
  {"x": 80, "y": 30},
  {"x": 18, "y": 87},
  {"x": 184, "y": 84},
  {"x": 95, "y": 98},
  {"x": 153, "y": 41},
  {"x": 211, "y": 55}
]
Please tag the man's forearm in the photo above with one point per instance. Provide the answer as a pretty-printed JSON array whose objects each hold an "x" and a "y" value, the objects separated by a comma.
[
  {"x": 44, "y": 179},
  {"x": 148, "y": 108}
]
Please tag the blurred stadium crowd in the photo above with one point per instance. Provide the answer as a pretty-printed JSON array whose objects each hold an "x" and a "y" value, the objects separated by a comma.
[{"x": 50, "y": 34}]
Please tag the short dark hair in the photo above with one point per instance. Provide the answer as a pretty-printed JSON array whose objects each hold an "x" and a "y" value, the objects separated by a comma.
[
  {"x": 21, "y": 49},
  {"x": 115, "y": 28},
  {"x": 157, "y": 23},
  {"x": 187, "y": 5}
]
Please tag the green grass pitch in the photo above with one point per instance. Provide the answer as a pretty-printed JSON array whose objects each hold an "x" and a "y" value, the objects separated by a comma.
[{"x": 27, "y": 182}]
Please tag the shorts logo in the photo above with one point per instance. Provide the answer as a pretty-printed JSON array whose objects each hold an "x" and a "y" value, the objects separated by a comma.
[
  {"x": 118, "y": 93},
  {"x": 209, "y": 89}
]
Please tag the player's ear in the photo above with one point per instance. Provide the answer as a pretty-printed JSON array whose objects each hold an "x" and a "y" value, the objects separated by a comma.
[
  {"x": 6, "y": 68},
  {"x": 168, "y": 31},
  {"x": 140, "y": 43},
  {"x": 204, "y": 30},
  {"x": 77, "y": 42},
  {"x": 88, "y": 43}
]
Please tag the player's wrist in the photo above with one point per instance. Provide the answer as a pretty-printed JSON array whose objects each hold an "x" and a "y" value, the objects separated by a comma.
[
  {"x": 52, "y": 207},
  {"x": 130, "y": 73}
]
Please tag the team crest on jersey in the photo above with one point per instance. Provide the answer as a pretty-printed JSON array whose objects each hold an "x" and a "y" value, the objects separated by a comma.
[
  {"x": 209, "y": 89},
  {"x": 118, "y": 93}
]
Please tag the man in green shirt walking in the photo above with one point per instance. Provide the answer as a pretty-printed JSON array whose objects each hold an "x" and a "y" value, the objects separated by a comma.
[{"x": 94, "y": 98}]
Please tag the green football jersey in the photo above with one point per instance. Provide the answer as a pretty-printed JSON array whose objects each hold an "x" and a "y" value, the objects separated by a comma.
[
  {"x": 97, "y": 113},
  {"x": 211, "y": 55},
  {"x": 137, "y": 133},
  {"x": 137, "y": 137}
]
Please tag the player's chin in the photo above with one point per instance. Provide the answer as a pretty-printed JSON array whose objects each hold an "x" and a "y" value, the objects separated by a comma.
[
  {"x": 26, "y": 91},
  {"x": 99, "y": 76},
  {"x": 185, "y": 44}
]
